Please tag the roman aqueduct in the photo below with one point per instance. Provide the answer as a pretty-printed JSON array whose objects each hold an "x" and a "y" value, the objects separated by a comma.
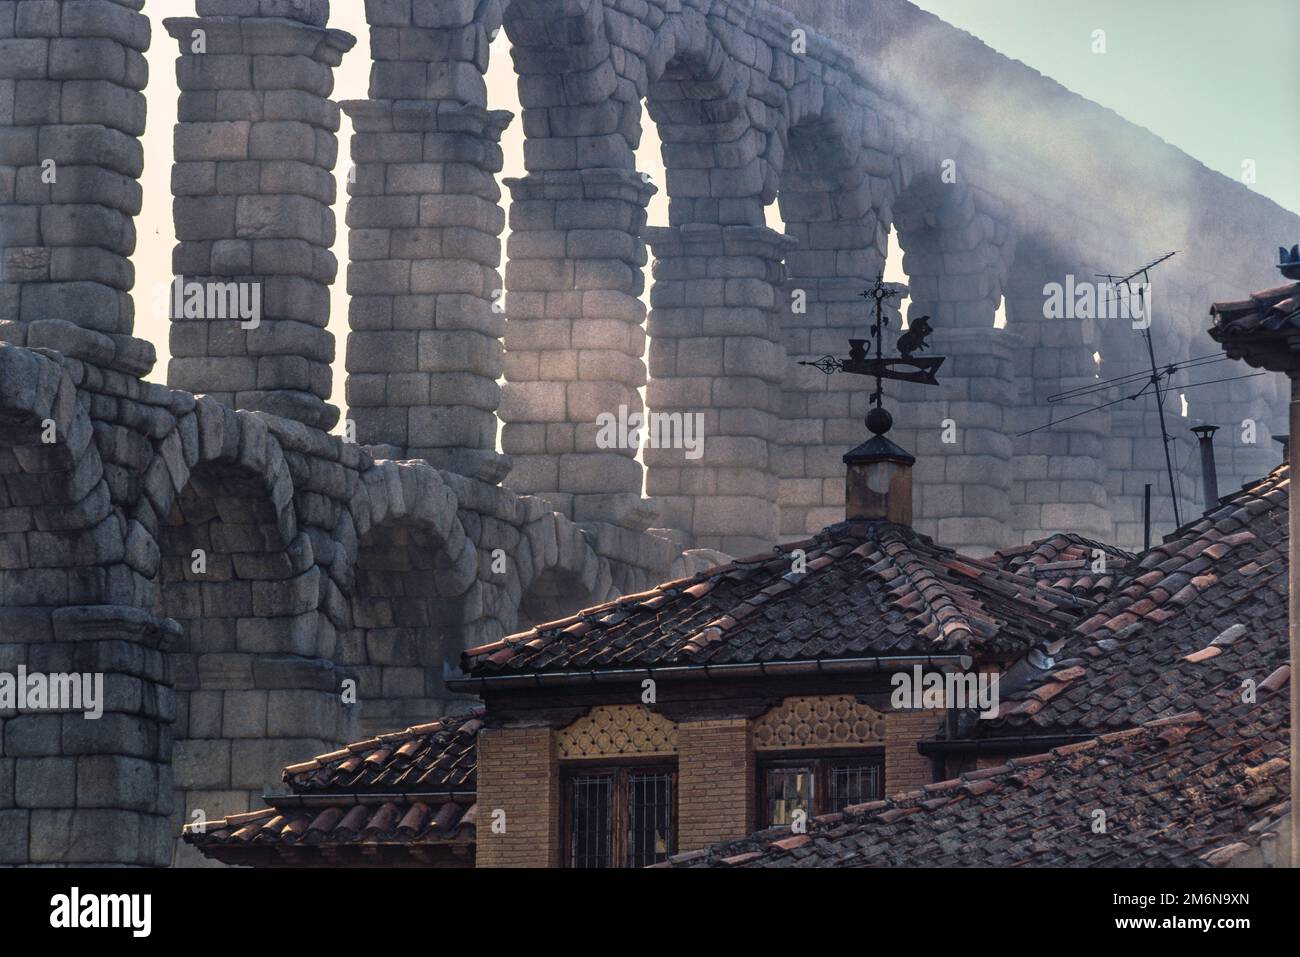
[{"x": 229, "y": 564}]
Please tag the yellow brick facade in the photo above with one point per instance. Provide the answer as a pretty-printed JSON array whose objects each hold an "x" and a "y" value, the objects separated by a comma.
[
  {"x": 519, "y": 770},
  {"x": 715, "y": 782},
  {"x": 907, "y": 769},
  {"x": 518, "y": 774}
]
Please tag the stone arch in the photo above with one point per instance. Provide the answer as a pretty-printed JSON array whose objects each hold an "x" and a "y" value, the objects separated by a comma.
[
  {"x": 212, "y": 434},
  {"x": 64, "y": 539},
  {"x": 255, "y": 683},
  {"x": 837, "y": 184},
  {"x": 956, "y": 245},
  {"x": 579, "y": 111},
  {"x": 561, "y": 574},
  {"x": 952, "y": 250},
  {"x": 255, "y": 676},
  {"x": 835, "y": 189},
  {"x": 409, "y": 601},
  {"x": 716, "y": 155}
]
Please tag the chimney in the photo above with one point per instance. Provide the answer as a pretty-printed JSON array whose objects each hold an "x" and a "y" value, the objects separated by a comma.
[
  {"x": 1285, "y": 442},
  {"x": 1209, "y": 475},
  {"x": 878, "y": 481}
]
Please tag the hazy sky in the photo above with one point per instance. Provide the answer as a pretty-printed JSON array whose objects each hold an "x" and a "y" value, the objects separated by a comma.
[{"x": 1217, "y": 78}]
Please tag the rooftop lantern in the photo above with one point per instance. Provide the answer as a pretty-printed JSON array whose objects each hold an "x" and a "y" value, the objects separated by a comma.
[{"x": 878, "y": 480}]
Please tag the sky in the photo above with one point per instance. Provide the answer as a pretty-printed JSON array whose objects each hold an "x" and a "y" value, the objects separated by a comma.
[{"x": 1216, "y": 78}]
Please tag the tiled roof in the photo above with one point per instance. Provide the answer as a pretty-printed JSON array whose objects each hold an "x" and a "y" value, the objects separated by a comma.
[
  {"x": 339, "y": 825},
  {"x": 869, "y": 589},
  {"x": 1189, "y": 770},
  {"x": 428, "y": 757},
  {"x": 403, "y": 792},
  {"x": 1191, "y": 790},
  {"x": 1067, "y": 561},
  {"x": 1263, "y": 330},
  {"x": 1213, "y": 595},
  {"x": 1274, "y": 310}
]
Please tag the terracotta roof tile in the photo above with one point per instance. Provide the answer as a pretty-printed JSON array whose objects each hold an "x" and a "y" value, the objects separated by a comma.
[
  {"x": 1066, "y": 561},
  {"x": 438, "y": 756},
  {"x": 414, "y": 788},
  {"x": 1226, "y": 622},
  {"x": 873, "y": 588},
  {"x": 1152, "y": 782},
  {"x": 388, "y": 823}
]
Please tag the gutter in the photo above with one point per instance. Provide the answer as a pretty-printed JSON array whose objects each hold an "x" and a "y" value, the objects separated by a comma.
[
  {"x": 278, "y": 801},
  {"x": 774, "y": 669},
  {"x": 1042, "y": 742}
]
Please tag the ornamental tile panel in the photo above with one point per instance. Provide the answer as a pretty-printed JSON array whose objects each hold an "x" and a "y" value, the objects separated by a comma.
[
  {"x": 612, "y": 730},
  {"x": 825, "y": 721}
]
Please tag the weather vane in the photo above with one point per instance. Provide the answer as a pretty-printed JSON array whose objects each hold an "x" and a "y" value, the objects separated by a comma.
[{"x": 904, "y": 367}]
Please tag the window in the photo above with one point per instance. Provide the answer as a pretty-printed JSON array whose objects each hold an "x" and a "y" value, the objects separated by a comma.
[
  {"x": 620, "y": 817},
  {"x": 817, "y": 785}
]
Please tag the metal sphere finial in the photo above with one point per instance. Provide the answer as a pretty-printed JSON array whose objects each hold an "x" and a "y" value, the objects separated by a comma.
[{"x": 879, "y": 421}]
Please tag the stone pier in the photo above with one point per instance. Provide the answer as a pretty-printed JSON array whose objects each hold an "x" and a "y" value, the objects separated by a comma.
[
  {"x": 427, "y": 308},
  {"x": 71, "y": 114},
  {"x": 575, "y": 338},
  {"x": 717, "y": 358},
  {"x": 255, "y": 144}
]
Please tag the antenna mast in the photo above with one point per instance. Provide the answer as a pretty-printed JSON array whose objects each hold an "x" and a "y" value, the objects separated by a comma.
[
  {"x": 1154, "y": 380},
  {"x": 1144, "y": 272}
]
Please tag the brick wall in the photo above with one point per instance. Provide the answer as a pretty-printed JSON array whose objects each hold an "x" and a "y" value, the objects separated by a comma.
[
  {"x": 715, "y": 790},
  {"x": 518, "y": 774},
  {"x": 905, "y": 767}
]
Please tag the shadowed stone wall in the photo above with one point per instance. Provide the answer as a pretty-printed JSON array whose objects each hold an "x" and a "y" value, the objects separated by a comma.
[{"x": 255, "y": 590}]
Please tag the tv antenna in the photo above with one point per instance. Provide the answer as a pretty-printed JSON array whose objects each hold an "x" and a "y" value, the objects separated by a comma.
[{"x": 1155, "y": 381}]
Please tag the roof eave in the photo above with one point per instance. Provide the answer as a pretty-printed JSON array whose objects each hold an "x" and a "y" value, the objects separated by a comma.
[{"x": 737, "y": 670}]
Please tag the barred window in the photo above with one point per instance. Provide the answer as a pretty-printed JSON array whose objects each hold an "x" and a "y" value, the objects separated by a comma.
[
  {"x": 620, "y": 817},
  {"x": 817, "y": 785}
]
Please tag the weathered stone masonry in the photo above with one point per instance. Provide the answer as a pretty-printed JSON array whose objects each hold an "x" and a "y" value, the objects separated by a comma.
[
  {"x": 237, "y": 574},
  {"x": 424, "y": 354},
  {"x": 254, "y": 149},
  {"x": 228, "y": 571}
]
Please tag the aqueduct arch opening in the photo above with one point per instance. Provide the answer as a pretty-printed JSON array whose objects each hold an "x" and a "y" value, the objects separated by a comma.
[
  {"x": 407, "y": 623},
  {"x": 554, "y": 594},
  {"x": 750, "y": 118},
  {"x": 254, "y": 689}
]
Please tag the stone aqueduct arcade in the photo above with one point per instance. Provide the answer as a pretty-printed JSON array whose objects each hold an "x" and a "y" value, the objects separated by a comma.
[{"x": 229, "y": 564}]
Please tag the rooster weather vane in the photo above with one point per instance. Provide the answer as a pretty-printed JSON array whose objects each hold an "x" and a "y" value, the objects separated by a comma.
[{"x": 905, "y": 367}]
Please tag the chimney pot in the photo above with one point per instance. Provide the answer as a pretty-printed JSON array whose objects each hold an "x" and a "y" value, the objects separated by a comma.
[{"x": 1209, "y": 473}]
